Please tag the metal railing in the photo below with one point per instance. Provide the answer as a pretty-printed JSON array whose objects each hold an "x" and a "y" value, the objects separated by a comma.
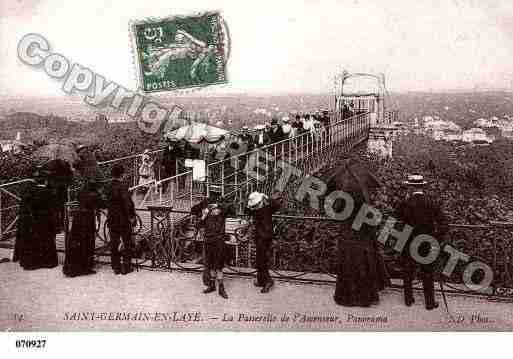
[
  {"x": 10, "y": 198},
  {"x": 490, "y": 243},
  {"x": 306, "y": 248},
  {"x": 131, "y": 165},
  {"x": 307, "y": 152}
]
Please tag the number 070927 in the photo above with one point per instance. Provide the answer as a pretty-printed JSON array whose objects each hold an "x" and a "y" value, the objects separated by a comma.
[{"x": 30, "y": 343}]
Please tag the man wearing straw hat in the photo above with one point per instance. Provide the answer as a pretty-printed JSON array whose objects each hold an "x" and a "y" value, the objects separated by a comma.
[
  {"x": 425, "y": 216},
  {"x": 286, "y": 128},
  {"x": 261, "y": 209}
]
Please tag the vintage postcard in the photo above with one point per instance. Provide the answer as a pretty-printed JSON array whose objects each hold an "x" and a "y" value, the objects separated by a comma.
[{"x": 352, "y": 173}]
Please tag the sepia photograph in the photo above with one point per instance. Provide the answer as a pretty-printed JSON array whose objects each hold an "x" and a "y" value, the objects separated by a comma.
[{"x": 223, "y": 166}]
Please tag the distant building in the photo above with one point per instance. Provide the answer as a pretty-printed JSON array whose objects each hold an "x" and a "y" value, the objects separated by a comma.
[
  {"x": 101, "y": 122},
  {"x": 477, "y": 135},
  {"x": 13, "y": 146},
  {"x": 442, "y": 130},
  {"x": 485, "y": 122},
  {"x": 495, "y": 127},
  {"x": 381, "y": 142},
  {"x": 507, "y": 132},
  {"x": 400, "y": 128},
  {"x": 453, "y": 135},
  {"x": 391, "y": 116},
  {"x": 441, "y": 125}
]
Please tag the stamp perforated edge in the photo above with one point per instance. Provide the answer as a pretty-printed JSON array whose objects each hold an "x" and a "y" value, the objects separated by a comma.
[{"x": 224, "y": 35}]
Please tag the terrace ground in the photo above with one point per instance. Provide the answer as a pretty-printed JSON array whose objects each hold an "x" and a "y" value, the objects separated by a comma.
[{"x": 48, "y": 301}]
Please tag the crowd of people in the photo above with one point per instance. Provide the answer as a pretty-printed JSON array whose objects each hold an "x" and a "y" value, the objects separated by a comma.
[
  {"x": 175, "y": 151},
  {"x": 360, "y": 271},
  {"x": 40, "y": 221},
  {"x": 289, "y": 126}
]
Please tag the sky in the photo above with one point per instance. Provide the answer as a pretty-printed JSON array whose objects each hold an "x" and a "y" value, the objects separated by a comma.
[{"x": 281, "y": 46}]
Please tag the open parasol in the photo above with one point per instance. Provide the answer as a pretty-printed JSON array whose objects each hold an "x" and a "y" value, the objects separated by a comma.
[
  {"x": 57, "y": 152},
  {"x": 195, "y": 133},
  {"x": 353, "y": 177}
]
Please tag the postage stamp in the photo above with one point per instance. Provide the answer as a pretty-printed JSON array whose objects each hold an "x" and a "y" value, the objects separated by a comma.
[{"x": 180, "y": 52}]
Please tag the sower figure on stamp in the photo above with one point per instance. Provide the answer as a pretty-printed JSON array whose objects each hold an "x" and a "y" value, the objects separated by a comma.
[
  {"x": 426, "y": 217},
  {"x": 120, "y": 219},
  {"x": 261, "y": 209},
  {"x": 212, "y": 214}
]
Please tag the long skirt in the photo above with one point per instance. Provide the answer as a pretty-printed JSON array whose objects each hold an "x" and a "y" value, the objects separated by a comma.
[
  {"x": 35, "y": 238},
  {"x": 358, "y": 277},
  {"x": 38, "y": 252},
  {"x": 80, "y": 245}
]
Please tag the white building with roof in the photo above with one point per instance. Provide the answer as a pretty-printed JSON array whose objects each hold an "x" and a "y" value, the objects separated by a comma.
[
  {"x": 476, "y": 135},
  {"x": 14, "y": 146}
]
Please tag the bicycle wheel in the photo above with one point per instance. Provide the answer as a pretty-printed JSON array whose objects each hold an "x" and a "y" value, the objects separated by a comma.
[
  {"x": 136, "y": 229},
  {"x": 101, "y": 234}
]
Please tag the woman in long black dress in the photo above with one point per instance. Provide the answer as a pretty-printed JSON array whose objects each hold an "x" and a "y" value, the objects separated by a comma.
[
  {"x": 81, "y": 243},
  {"x": 359, "y": 276},
  {"x": 37, "y": 227}
]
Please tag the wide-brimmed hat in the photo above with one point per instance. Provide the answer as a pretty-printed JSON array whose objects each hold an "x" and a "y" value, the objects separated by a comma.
[
  {"x": 285, "y": 119},
  {"x": 415, "y": 180},
  {"x": 81, "y": 147},
  {"x": 255, "y": 198}
]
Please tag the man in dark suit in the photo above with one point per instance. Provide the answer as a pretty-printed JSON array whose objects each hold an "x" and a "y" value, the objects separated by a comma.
[
  {"x": 120, "y": 219},
  {"x": 261, "y": 208},
  {"x": 426, "y": 217},
  {"x": 212, "y": 213},
  {"x": 247, "y": 138},
  {"x": 276, "y": 133}
]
